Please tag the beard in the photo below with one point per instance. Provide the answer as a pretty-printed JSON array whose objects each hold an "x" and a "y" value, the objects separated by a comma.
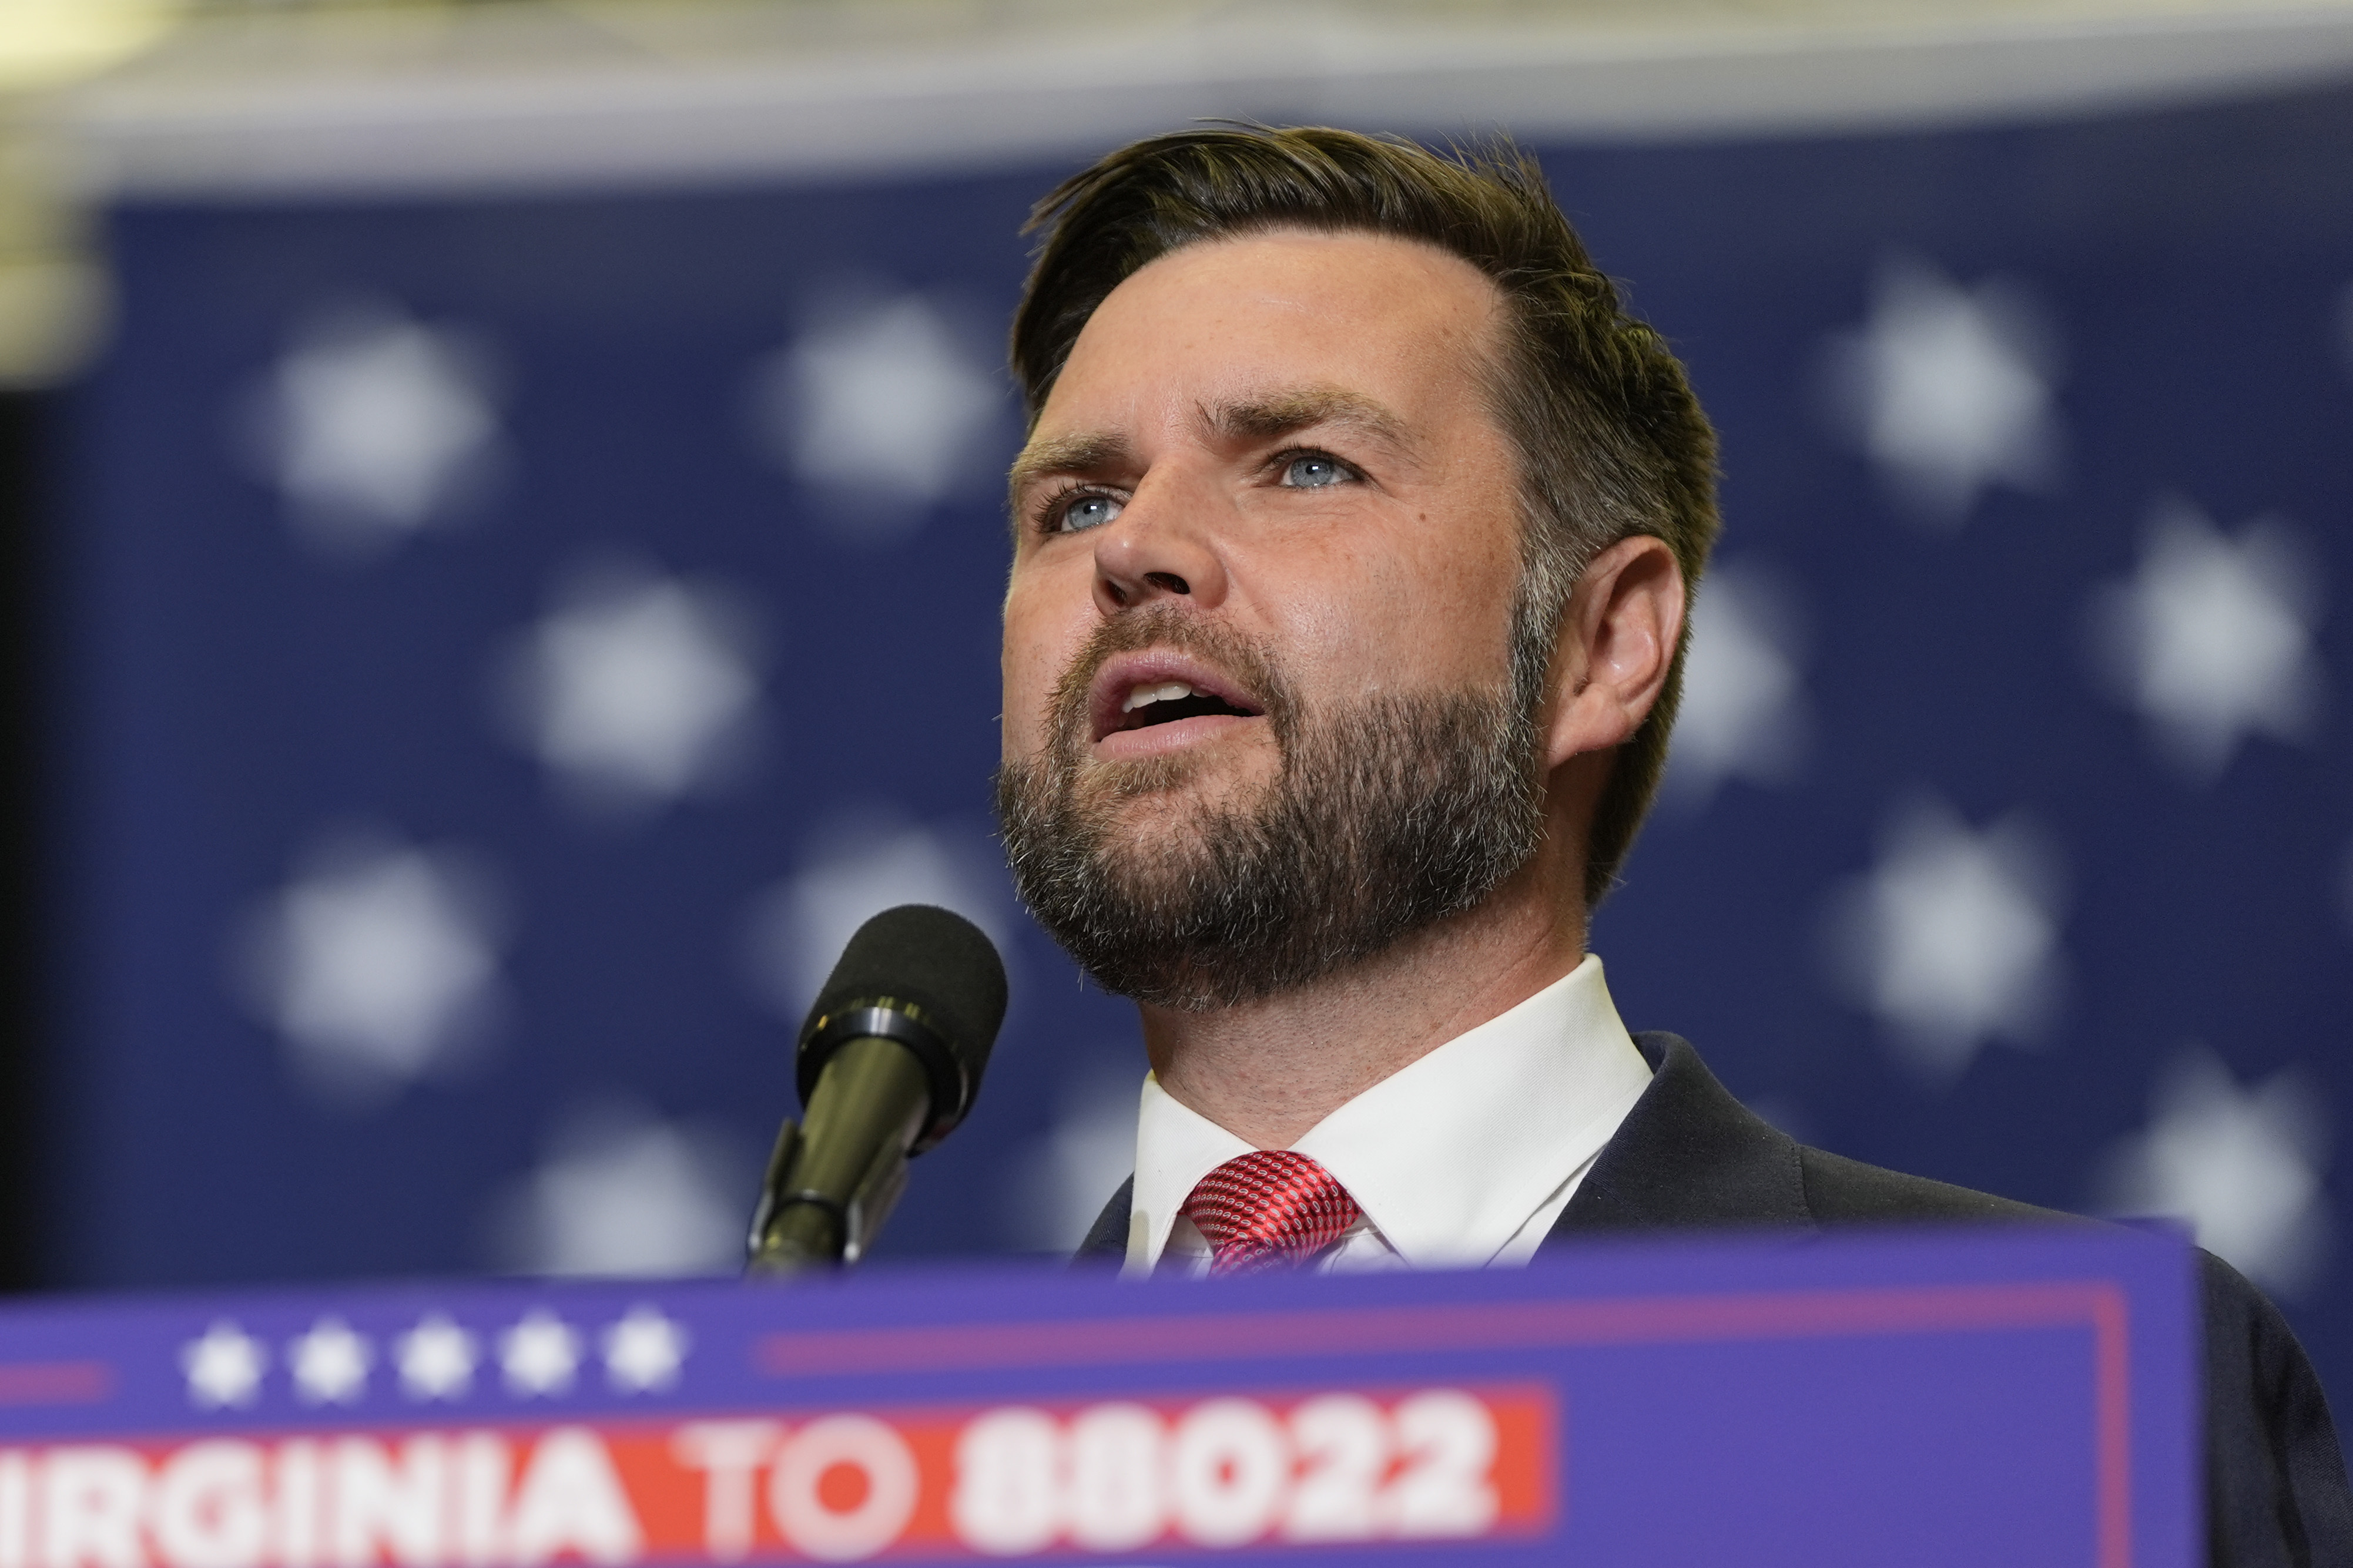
[{"x": 1386, "y": 815}]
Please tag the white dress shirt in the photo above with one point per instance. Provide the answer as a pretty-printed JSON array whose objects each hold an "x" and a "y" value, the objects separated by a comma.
[{"x": 1462, "y": 1159}]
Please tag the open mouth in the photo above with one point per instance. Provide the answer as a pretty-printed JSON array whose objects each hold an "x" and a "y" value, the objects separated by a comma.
[
  {"x": 1166, "y": 701},
  {"x": 1154, "y": 688}
]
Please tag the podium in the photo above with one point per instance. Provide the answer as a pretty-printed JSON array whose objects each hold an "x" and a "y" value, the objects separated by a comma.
[{"x": 2019, "y": 1396}]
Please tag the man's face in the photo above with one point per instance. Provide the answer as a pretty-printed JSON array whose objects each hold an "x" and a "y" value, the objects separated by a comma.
[{"x": 1266, "y": 499}]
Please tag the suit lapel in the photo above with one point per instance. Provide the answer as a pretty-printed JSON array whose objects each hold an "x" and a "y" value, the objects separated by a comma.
[
  {"x": 1107, "y": 1242},
  {"x": 1687, "y": 1155}
]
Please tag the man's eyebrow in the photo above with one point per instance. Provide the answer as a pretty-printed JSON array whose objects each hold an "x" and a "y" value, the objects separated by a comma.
[
  {"x": 1276, "y": 414},
  {"x": 1080, "y": 454}
]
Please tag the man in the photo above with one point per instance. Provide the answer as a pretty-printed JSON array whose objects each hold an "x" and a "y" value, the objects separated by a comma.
[{"x": 1353, "y": 542}]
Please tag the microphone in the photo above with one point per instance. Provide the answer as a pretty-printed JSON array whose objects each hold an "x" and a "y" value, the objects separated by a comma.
[{"x": 888, "y": 1064}]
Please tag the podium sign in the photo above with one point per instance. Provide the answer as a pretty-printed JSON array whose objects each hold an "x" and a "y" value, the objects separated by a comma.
[{"x": 2014, "y": 1396}]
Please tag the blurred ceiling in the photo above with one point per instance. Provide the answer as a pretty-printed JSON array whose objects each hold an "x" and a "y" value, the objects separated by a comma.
[
  {"x": 237, "y": 99},
  {"x": 246, "y": 96}
]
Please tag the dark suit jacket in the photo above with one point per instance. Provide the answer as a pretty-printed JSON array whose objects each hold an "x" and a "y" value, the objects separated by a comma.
[{"x": 1691, "y": 1155}]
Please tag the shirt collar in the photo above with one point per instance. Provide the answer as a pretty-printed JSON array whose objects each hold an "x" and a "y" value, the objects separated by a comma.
[
  {"x": 1176, "y": 1146},
  {"x": 1449, "y": 1157}
]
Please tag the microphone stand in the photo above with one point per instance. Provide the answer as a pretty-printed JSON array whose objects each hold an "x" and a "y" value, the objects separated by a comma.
[{"x": 820, "y": 1207}]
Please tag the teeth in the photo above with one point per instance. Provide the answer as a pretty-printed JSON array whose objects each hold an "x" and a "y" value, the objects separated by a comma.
[{"x": 1166, "y": 692}]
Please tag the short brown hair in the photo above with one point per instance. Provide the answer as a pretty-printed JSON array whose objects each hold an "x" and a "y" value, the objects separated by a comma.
[{"x": 1612, "y": 441}]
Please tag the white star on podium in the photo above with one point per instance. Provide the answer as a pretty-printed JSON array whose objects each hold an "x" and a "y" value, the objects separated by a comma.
[
  {"x": 540, "y": 1354},
  {"x": 643, "y": 1351},
  {"x": 224, "y": 1366},
  {"x": 329, "y": 1363},
  {"x": 437, "y": 1359}
]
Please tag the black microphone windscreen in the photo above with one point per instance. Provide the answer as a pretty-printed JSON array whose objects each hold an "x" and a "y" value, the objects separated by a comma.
[{"x": 934, "y": 958}]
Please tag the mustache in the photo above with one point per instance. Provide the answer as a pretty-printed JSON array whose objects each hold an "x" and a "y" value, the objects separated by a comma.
[{"x": 1164, "y": 626}]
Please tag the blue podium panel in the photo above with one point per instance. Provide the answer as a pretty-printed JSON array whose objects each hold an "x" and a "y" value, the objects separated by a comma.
[{"x": 2018, "y": 1397}]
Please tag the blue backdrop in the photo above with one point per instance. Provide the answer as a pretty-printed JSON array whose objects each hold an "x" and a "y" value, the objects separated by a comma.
[{"x": 505, "y": 645}]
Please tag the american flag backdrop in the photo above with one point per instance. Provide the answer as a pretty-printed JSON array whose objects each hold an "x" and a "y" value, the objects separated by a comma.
[{"x": 504, "y": 645}]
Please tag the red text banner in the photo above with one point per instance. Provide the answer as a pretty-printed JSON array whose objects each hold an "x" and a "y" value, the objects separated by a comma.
[{"x": 1197, "y": 1475}]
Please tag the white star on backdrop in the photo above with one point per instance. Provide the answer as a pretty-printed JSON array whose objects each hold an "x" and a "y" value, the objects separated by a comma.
[
  {"x": 540, "y": 1354},
  {"x": 636, "y": 688},
  {"x": 329, "y": 1363},
  {"x": 2211, "y": 637},
  {"x": 377, "y": 964},
  {"x": 437, "y": 1359},
  {"x": 621, "y": 1193},
  {"x": 2243, "y": 1165},
  {"x": 1744, "y": 712},
  {"x": 375, "y": 427},
  {"x": 884, "y": 407},
  {"x": 1062, "y": 1180},
  {"x": 1948, "y": 389},
  {"x": 224, "y": 1366},
  {"x": 1953, "y": 938},
  {"x": 644, "y": 1351},
  {"x": 855, "y": 867}
]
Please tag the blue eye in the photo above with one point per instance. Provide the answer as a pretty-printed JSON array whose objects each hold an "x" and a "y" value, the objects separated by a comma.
[
  {"x": 1085, "y": 511},
  {"x": 1311, "y": 472}
]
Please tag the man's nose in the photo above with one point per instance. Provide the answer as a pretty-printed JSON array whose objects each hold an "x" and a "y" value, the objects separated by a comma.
[{"x": 1156, "y": 547}]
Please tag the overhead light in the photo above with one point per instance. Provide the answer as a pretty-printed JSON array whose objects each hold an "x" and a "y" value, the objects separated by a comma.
[{"x": 49, "y": 43}]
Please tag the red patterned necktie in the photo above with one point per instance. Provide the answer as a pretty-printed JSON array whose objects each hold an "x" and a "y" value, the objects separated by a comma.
[{"x": 1269, "y": 1209}]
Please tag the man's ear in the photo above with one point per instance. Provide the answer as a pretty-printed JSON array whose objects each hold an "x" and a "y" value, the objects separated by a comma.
[{"x": 1617, "y": 640}]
